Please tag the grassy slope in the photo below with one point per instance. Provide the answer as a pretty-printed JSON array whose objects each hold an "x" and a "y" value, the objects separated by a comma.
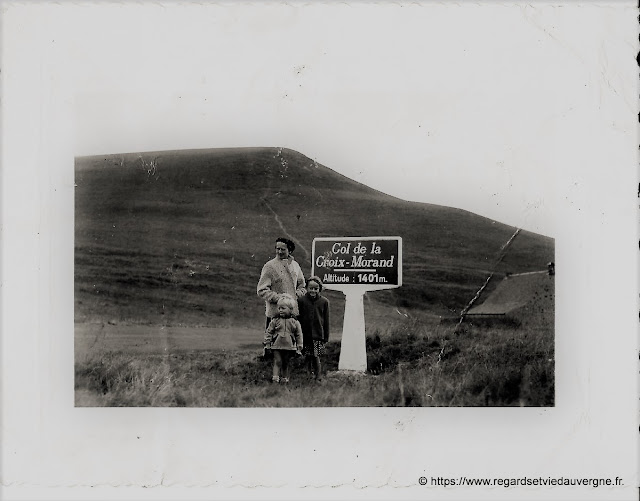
[
  {"x": 183, "y": 241},
  {"x": 412, "y": 365},
  {"x": 415, "y": 363}
]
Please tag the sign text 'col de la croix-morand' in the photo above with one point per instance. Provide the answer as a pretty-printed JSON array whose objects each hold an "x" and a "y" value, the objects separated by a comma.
[{"x": 355, "y": 265}]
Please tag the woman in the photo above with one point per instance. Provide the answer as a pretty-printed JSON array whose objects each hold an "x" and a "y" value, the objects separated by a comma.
[{"x": 281, "y": 275}]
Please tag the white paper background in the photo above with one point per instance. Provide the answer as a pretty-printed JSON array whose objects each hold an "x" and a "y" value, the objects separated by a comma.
[{"x": 524, "y": 113}]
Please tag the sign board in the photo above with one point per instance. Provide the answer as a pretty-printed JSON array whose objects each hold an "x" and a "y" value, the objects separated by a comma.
[
  {"x": 373, "y": 262},
  {"x": 355, "y": 265}
]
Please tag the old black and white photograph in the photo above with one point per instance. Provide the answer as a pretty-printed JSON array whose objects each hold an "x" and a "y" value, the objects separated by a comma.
[
  {"x": 337, "y": 250},
  {"x": 180, "y": 256},
  {"x": 178, "y": 267}
]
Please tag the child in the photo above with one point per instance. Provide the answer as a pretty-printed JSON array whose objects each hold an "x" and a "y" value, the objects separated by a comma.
[
  {"x": 284, "y": 336},
  {"x": 314, "y": 319}
]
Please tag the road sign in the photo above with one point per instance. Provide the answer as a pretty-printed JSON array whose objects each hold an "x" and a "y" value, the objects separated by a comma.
[
  {"x": 355, "y": 265},
  {"x": 375, "y": 262}
]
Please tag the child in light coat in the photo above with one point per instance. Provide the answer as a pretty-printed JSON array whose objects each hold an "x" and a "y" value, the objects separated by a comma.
[{"x": 283, "y": 338}]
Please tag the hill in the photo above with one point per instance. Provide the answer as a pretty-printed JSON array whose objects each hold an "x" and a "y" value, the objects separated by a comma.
[{"x": 179, "y": 237}]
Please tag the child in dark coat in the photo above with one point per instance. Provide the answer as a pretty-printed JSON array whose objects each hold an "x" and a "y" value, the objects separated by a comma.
[
  {"x": 314, "y": 319},
  {"x": 284, "y": 337}
]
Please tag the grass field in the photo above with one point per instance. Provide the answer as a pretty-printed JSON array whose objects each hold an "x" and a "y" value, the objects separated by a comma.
[
  {"x": 410, "y": 365},
  {"x": 411, "y": 362},
  {"x": 168, "y": 251}
]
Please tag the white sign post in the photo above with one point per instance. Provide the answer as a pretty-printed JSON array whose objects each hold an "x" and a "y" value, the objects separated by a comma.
[{"x": 355, "y": 265}]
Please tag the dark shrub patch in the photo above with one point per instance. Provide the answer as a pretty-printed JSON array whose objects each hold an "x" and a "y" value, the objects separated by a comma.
[{"x": 402, "y": 345}]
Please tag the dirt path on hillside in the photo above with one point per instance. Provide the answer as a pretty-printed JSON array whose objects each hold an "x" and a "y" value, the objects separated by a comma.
[{"x": 287, "y": 234}]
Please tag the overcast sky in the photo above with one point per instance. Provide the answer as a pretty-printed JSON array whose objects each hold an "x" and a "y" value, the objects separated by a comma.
[{"x": 478, "y": 107}]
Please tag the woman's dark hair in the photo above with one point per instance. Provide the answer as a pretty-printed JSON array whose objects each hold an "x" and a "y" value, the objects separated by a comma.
[{"x": 290, "y": 245}]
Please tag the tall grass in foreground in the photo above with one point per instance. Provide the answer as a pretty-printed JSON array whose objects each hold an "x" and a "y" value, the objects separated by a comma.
[{"x": 411, "y": 365}]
